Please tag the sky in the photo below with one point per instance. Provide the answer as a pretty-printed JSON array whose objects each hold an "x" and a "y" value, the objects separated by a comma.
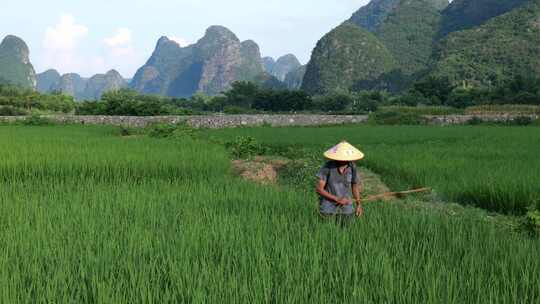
[{"x": 90, "y": 37}]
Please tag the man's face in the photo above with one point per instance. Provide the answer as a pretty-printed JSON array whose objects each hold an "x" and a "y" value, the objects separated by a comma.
[{"x": 342, "y": 163}]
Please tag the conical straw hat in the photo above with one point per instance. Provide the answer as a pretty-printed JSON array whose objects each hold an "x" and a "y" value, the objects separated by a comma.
[{"x": 344, "y": 151}]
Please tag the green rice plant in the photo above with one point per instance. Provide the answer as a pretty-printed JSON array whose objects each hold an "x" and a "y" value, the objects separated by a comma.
[
  {"x": 244, "y": 147},
  {"x": 492, "y": 167},
  {"x": 87, "y": 216},
  {"x": 161, "y": 130},
  {"x": 532, "y": 222}
]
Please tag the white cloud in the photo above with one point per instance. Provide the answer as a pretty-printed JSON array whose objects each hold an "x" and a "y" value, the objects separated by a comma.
[
  {"x": 64, "y": 35},
  {"x": 60, "y": 45},
  {"x": 121, "y": 38},
  {"x": 181, "y": 41},
  {"x": 120, "y": 53}
]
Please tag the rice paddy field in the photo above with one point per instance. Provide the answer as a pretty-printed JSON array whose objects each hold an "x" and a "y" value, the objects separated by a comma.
[
  {"x": 493, "y": 167},
  {"x": 87, "y": 216}
]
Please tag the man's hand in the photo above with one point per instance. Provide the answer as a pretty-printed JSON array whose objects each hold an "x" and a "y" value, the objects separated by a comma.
[
  {"x": 359, "y": 211},
  {"x": 344, "y": 201}
]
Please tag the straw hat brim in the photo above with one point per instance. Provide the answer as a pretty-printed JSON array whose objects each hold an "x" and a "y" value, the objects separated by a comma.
[
  {"x": 344, "y": 152},
  {"x": 344, "y": 158}
]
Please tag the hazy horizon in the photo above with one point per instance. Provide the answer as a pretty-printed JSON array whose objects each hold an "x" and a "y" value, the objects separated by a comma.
[{"x": 91, "y": 38}]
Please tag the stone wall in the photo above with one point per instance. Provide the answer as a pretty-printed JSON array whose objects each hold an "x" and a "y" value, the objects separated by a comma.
[
  {"x": 206, "y": 121},
  {"x": 226, "y": 121}
]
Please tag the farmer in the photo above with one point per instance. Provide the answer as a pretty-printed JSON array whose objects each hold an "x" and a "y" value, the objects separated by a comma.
[{"x": 336, "y": 180}]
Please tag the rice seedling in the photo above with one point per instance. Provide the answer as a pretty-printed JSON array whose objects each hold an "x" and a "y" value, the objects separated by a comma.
[
  {"x": 493, "y": 167},
  {"x": 90, "y": 217}
]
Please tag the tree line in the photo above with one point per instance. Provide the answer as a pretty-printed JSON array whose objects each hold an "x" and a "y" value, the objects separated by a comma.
[
  {"x": 247, "y": 97},
  {"x": 15, "y": 100}
]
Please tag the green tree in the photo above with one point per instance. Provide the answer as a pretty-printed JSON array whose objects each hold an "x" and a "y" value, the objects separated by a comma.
[
  {"x": 435, "y": 90},
  {"x": 242, "y": 94}
]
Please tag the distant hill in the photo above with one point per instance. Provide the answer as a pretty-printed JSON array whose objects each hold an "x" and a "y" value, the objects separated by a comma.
[
  {"x": 268, "y": 64},
  {"x": 101, "y": 83},
  {"x": 394, "y": 37},
  {"x": 344, "y": 56},
  {"x": 15, "y": 66},
  {"x": 209, "y": 66},
  {"x": 47, "y": 80},
  {"x": 294, "y": 78},
  {"x": 503, "y": 47},
  {"x": 409, "y": 31},
  {"x": 479, "y": 42},
  {"x": 71, "y": 84},
  {"x": 283, "y": 66},
  {"x": 81, "y": 88}
]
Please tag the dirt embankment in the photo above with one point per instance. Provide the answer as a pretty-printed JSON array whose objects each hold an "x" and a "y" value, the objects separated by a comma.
[
  {"x": 260, "y": 170},
  {"x": 265, "y": 170}
]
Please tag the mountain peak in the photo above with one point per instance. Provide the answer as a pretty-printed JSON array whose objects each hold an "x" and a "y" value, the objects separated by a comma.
[
  {"x": 46, "y": 80},
  {"x": 51, "y": 72},
  {"x": 101, "y": 83},
  {"x": 372, "y": 15},
  {"x": 465, "y": 14},
  {"x": 210, "y": 65},
  {"x": 163, "y": 40},
  {"x": 113, "y": 73},
  {"x": 251, "y": 48},
  {"x": 15, "y": 46},
  {"x": 268, "y": 63},
  {"x": 281, "y": 67},
  {"x": 14, "y": 41},
  {"x": 15, "y": 65},
  {"x": 290, "y": 58},
  {"x": 220, "y": 32}
]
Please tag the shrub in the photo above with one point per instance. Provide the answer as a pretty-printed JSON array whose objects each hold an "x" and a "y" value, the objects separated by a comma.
[
  {"x": 235, "y": 110},
  {"x": 12, "y": 111},
  {"x": 245, "y": 147},
  {"x": 475, "y": 121},
  {"x": 124, "y": 131},
  {"x": 422, "y": 110},
  {"x": 368, "y": 101},
  {"x": 396, "y": 118},
  {"x": 161, "y": 130},
  {"x": 184, "y": 129},
  {"x": 521, "y": 121},
  {"x": 37, "y": 120},
  {"x": 337, "y": 101},
  {"x": 461, "y": 98},
  {"x": 164, "y": 130},
  {"x": 531, "y": 223},
  {"x": 506, "y": 108}
]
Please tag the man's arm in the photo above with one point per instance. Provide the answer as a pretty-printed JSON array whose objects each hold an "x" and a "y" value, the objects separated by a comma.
[
  {"x": 319, "y": 188},
  {"x": 356, "y": 188}
]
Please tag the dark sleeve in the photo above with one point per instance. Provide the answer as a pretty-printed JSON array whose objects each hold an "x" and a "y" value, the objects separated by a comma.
[
  {"x": 323, "y": 173},
  {"x": 355, "y": 179}
]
